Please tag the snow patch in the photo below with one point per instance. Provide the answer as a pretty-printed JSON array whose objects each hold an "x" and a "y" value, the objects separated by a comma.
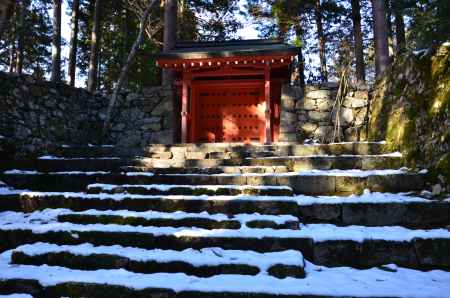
[
  {"x": 167, "y": 187},
  {"x": 319, "y": 280},
  {"x": 45, "y": 221},
  {"x": 211, "y": 256}
]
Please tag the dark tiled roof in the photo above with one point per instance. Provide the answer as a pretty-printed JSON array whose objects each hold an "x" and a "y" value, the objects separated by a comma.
[{"x": 198, "y": 50}]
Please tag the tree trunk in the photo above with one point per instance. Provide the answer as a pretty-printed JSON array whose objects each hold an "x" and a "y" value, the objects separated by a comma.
[
  {"x": 358, "y": 39},
  {"x": 95, "y": 46},
  {"x": 12, "y": 46},
  {"x": 321, "y": 39},
  {"x": 6, "y": 11},
  {"x": 321, "y": 42},
  {"x": 170, "y": 36},
  {"x": 301, "y": 59},
  {"x": 74, "y": 42},
  {"x": 126, "y": 68},
  {"x": 20, "y": 35},
  {"x": 381, "y": 37},
  {"x": 399, "y": 26},
  {"x": 56, "y": 42},
  {"x": 388, "y": 6}
]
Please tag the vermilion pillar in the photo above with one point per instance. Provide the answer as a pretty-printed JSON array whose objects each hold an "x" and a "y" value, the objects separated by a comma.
[
  {"x": 184, "y": 107},
  {"x": 268, "y": 136}
]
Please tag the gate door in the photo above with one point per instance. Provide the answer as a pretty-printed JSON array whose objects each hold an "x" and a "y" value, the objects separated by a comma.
[{"x": 228, "y": 112}]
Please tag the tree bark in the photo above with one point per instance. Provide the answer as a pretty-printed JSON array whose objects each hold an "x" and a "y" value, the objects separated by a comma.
[
  {"x": 321, "y": 40},
  {"x": 381, "y": 37},
  {"x": 95, "y": 46},
  {"x": 56, "y": 42},
  {"x": 126, "y": 68},
  {"x": 74, "y": 42},
  {"x": 22, "y": 6},
  {"x": 6, "y": 11},
  {"x": 170, "y": 36},
  {"x": 399, "y": 26},
  {"x": 301, "y": 59},
  {"x": 358, "y": 39}
]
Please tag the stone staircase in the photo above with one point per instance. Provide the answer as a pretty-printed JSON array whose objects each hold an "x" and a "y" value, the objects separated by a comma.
[{"x": 221, "y": 220}]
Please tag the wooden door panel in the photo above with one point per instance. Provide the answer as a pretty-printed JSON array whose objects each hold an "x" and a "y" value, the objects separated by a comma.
[{"x": 227, "y": 113}]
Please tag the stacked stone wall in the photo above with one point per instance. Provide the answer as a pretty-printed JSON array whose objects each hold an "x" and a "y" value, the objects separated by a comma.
[
  {"x": 38, "y": 115},
  {"x": 310, "y": 114}
]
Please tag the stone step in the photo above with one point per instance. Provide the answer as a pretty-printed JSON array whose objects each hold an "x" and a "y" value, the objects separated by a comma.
[
  {"x": 31, "y": 201},
  {"x": 207, "y": 170},
  {"x": 296, "y": 163},
  {"x": 181, "y": 219},
  {"x": 56, "y": 164},
  {"x": 245, "y": 150},
  {"x": 77, "y": 151},
  {"x": 389, "y": 280},
  {"x": 342, "y": 162},
  {"x": 173, "y": 189},
  {"x": 375, "y": 209},
  {"x": 328, "y": 245},
  {"x": 205, "y": 262},
  {"x": 313, "y": 182},
  {"x": 367, "y": 210}
]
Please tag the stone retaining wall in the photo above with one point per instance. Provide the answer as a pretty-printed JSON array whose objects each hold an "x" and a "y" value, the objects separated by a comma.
[
  {"x": 37, "y": 115},
  {"x": 310, "y": 115}
]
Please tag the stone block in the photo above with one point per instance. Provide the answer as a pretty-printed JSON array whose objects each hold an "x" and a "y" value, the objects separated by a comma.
[
  {"x": 350, "y": 184},
  {"x": 318, "y": 94},
  {"x": 324, "y": 104},
  {"x": 307, "y": 104},
  {"x": 346, "y": 116},
  {"x": 395, "y": 183},
  {"x": 433, "y": 252},
  {"x": 380, "y": 252},
  {"x": 373, "y": 214},
  {"x": 353, "y": 102},
  {"x": 330, "y": 213},
  {"x": 308, "y": 127},
  {"x": 318, "y": 116},
  {"x": 313, "y": 185},
  {"x": 337, "y": 253}
]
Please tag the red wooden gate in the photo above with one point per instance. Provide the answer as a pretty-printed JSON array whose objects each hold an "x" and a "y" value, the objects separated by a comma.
[{"x": 232, "y": 111}]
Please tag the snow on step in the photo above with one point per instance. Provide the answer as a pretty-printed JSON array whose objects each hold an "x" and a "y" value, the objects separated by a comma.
[
  {"x": 342, "y": 281},
  {"x": 46, "y": 221},
  {"x": 24, "y": 172},
  {"x": 242, "y": 218},
  {"x": 334, "y": 172},
  {"x": 16, "y": 296},
  {"x": 393, "y": 154},
  {"x": 367, "y": 197},
  {"x": 165, "y": 188},
  {"x": 51, "y": 157},
  {"x": 203, "y": 257}
]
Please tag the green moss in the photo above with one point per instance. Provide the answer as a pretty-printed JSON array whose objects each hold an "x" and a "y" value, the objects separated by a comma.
[{"x": 410, "y": 110}]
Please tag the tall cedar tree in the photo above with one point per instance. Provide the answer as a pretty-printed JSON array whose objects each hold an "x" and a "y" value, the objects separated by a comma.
[
  {"x": 358, "y": 40},
  {"x": 56, "y": 42},
  {"x": 380, "y": 37},
  {"x": 321, "y": 41},
  {"x": 95, "y": 48},
  {"x": 6, "y": 10},
  {"x": 22, "y": 10},
  {"x": 399, "y": 25},
  {"x": 170, "y": 35},
  {"x": 73, "y": 42}
]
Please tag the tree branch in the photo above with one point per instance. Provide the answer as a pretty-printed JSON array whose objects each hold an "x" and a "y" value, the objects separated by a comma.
[{"x": 125, "y": 69}]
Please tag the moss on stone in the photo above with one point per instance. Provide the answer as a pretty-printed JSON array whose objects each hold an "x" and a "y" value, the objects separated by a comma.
[{"x": 410, "y": 110}]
